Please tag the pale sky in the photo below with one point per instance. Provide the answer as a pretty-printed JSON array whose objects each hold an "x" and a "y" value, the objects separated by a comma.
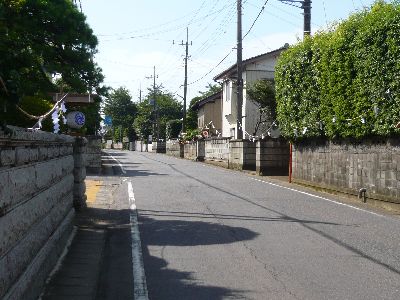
[{"x": 136, "y": 35}]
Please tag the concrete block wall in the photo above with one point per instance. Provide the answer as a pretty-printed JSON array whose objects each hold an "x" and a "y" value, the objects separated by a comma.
[
  {"x": 37, "y": 180},
  {"x": 272, "y": 157},
  {"x": 141, "y": 146},
  {"x": 347, "y": 167},
  {"x": 242, "y": 155},
  {"x": 217, "y": 149}
]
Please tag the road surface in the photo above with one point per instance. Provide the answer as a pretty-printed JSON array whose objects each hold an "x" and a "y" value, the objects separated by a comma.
[{"x": 211, "y": 233}]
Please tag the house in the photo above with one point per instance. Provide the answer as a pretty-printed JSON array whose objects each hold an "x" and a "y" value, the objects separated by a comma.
[
  {"x": 209, "y": 113},
  {"x": 255, "y": 68}
]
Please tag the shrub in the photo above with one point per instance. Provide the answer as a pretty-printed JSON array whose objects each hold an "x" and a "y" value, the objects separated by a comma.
[{"x": 343, "y": 82}]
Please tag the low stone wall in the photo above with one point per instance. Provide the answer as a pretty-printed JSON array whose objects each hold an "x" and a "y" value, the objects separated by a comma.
[
  {"x": 190, "y": 150},
  {"x": 348, "y": 167},
  {"x": 272, "y": 157},
  {"x": 217, "y": 149},
  {"x": 242, "y": 155},
  {"x": 93, "y": 154},
  {"x": 173, "y": 148},
  {"x": 40, "y": 181}
]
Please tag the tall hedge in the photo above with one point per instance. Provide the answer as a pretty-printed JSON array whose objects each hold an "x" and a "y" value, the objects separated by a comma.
[{"x": 343, "y": 82}]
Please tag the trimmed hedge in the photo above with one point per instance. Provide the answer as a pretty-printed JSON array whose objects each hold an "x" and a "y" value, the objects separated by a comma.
[{"x": 344, "y": 82}]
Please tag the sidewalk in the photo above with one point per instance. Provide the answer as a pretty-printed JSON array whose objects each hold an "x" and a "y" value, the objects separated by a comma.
[{"x": 98, "y": 262}]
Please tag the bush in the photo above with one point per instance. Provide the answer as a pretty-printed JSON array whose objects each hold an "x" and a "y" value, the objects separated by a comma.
[{"x": 343, "y": 82}]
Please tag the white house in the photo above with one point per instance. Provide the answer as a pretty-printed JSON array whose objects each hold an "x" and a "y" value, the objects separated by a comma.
[{"x": 255, "y": 68}]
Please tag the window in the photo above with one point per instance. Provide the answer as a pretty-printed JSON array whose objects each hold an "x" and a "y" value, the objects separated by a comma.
[{"x": 232, "y": 132}]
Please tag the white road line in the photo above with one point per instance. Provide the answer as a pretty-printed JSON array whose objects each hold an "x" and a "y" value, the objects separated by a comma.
[
  {"x": 119, "y": 164},
  {"x": 139, "y": 276},
  {"x": 321, "y": 198}
]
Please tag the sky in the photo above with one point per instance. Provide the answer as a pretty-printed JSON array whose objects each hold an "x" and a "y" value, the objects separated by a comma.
[{"x": 136, "y": 36}]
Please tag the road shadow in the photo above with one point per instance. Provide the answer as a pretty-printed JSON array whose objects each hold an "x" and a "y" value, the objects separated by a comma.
[
  {"x": 115, "y": 278},
  {"x": 167, "y": 283},
  {"x": 110, "y": 167},
  {"x": 191, "y": 233},
  {"x": 182, "y": 214},
  {"x": 113, "y": 153}
]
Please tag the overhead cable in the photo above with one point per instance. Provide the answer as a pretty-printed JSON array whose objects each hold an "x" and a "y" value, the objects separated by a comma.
[{"x": 259, "y": 14}]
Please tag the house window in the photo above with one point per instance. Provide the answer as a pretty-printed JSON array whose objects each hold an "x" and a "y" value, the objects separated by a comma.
[
  {"x": 232, "y": 132},
  {"x": 227, "y": 91}
]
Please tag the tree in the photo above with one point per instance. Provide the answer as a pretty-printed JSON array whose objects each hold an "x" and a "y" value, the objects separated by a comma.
[
  {"x": 41, "y": 40},
  {"x": 191, "y": 116},
  {"x": 122, "y": 110},
  {"x": 262, "y": 93},
  {"x": 143, "y": 123},
  {"x": 167, "y": 108}
]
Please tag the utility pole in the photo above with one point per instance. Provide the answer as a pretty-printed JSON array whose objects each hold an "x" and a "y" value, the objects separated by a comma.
[
  {"x": 186, "y": 78},
  {"x": 155, "y": 125},
  {"x": 305, "y": 5},
  {"x": 307, "y": 17},
  {"x": 140, "y": 93},
  {"x": 239, "y": 83}
]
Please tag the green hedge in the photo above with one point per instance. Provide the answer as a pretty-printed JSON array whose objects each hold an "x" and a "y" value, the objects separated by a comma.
[{"x": 343, "y": 82}]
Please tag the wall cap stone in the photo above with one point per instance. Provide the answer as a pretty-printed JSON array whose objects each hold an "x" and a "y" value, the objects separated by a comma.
[{"x": 22, "y": 135}]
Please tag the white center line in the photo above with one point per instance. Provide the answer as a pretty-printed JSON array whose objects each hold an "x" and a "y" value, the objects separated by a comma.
[
  {"x": 139, "y": 276},
  {"x": 119, "y": 164}
]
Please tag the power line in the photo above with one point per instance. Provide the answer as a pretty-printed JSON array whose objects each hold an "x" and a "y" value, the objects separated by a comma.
[
  {"x": 217, "y": 32},
  {"x": 259, "y": 14},
  {"x": 184, "y": 25},
  {"x": 326, "y": 18},
  {"x": 222, "y": 60}
]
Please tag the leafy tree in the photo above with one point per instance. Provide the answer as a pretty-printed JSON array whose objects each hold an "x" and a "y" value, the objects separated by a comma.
[
  {"x": 173, "y": 129},
  {"x": 143, "y": 123},
  {"x": 122, "y": 110},
  {"x": 262, "y": 93},
  {"x": 167, "y": 108},
  {"x": 41, "y": 40},
  {"x": 191, "y": 115}
]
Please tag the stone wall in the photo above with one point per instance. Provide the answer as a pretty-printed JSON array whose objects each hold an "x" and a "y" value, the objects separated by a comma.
[
  {"x": 37, "y": 181},
  {"x": 190, "y": 150},
  {"x": 93, "y": 154},
  {"x": 174, "y": 148},
  {"x": 272, "y": 157},
  {"x": 242, "y": 155},
  {"x": 348, "y": 167}
]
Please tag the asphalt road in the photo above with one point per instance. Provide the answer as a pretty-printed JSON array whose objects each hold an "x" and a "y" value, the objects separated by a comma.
[{"x": 212, "y": 233}]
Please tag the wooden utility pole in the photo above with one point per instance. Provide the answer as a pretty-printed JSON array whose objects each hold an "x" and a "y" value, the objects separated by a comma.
[{"x": 239, "y": 83}]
